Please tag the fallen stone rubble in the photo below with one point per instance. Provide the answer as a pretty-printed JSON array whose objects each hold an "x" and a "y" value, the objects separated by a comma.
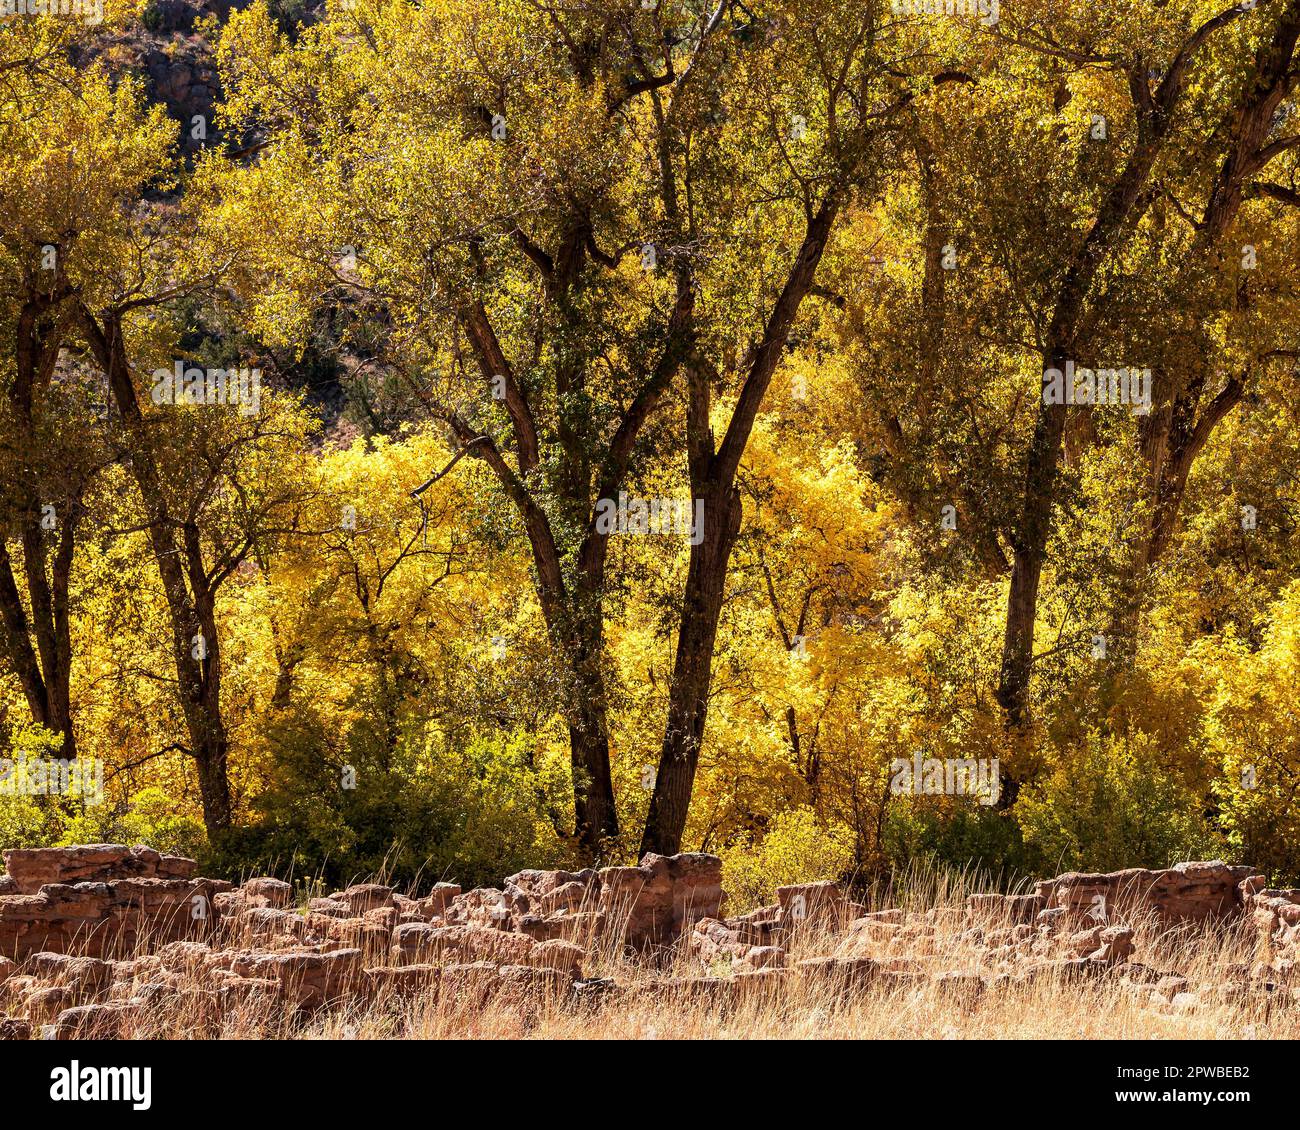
[{"x": 95, "y": 937}]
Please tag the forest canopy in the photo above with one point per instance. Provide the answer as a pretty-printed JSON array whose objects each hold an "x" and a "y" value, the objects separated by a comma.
[{"x": 840, "y": 436}]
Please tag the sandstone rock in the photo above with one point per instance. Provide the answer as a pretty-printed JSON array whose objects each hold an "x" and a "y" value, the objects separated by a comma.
[
  {"x": 1015, "y": 909},
  {"x": 761, "y": 927},
  {"x": 469, "y": 984},
  {"x": 249, "y": 994},
  {"x": 180, "y": 957},
  {"x": 581, "y": 927},
  {"x": 539, "y": 894},
  {"x": 556, "y": 954},
  {"x": 899, "y": 980},
  {"x": 1051, "y": 918},
  {"x": 761, "y": 982},
  {"x": 837, "y": 974},
  {"x": 821, "y": 904},
  {"x": 411, "y": 940},
  {"x": 712, "y": 941},
  {"x": 1084, "y": 942},
  {"x": 266, "y": 921},
  {"x": 655, "y": 902},
  {"x": 271, "y": 892},
  {"x": 87, "y": 975},
  {"x": 43, "y": 1004},
  {"x": 1062, "y": 969},
  {"x": 403, "y": 981},
  {"x": 483, "y": 906},
  {"x": 1114, "y": 944},
  {"x": 309, "y": 980},
  {"x": 598, "y": 992},
  {"x": 110, "y": 953},
  {"x": 366, "y": 897},
  {"x": 1276, "y": 914},
  {"x": 1251, "y": 886},
  {"x": 14, "y": 1029},
  {"x": 229, "y": 904},
  {"x": 385, "y": 917},
  {"x": 32, "y": 868},
  {"x": 95, "y": 1022},
  {"x": 436, "y": 903},
  {"x": 703, "y": 991},
  {"x": 1185, "y": 892},
  {"x": 870, "y": 934},
  {"x": 761, "y": 957},
  {"x": 696, "y": 880},
  {"x": 104, "y": 918},
  {"x": 965, "y": 989},
  {"x": 415, "y": 943},
  {"x": 532, "y": 983}
]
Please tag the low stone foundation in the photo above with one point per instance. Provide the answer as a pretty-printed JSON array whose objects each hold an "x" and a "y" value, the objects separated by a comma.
[
  {"x": 27, "y": 870},
  {"x": 95, "y": 937}
]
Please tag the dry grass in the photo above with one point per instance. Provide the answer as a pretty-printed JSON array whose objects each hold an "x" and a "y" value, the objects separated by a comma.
[
  {"x": 651, "y": 1003},
  {"x": 1051, "y": 1008}
]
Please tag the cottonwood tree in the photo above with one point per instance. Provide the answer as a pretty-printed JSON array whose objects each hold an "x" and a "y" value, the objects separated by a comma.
[
  {"x": 1255, "y": 140},
  {"x": 77, "y": 152},
  {"x": 568, "y": 217},
  {"x": 219, "y": 462},
  {"x": 1158, "y": 65},
  {"x": 214, "y": 487},
  {"x": 480, "y": 178},
  {"x": 1082, "y": 186},
  {"x": 813, "y": 129}
]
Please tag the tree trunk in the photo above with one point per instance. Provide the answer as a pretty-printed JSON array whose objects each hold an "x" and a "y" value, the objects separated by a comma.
[
  {"x": 596, "y": 818},
  {"x": 45, "y": 668},
  {"x": 1029, "y": 545},
  {"x": 210, "y": 750},
  {"x": 53, "y": 626},
  {"x": 19, "y": 644},
  {"x": 1120, "y": 211},
  {"x": 688, "y": 703},
  {"x": 713, "y": 479}
]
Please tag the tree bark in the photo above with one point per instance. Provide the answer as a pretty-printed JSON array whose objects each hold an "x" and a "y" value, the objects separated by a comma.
[
  {"x": 688, "y": 702},
  {"x": 571, "y": 595}
]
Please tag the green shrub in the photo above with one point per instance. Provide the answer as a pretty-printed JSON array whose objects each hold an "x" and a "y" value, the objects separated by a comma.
[
  {"x": 1109, "y": 805},
  {"x": 953, "y": 834},
  {"x": 432, "y": 813},
  {"x": 798, "y": 848}
]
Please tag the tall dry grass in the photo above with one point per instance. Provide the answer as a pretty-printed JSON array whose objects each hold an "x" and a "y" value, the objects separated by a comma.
[{"x": 659, "y": 996}]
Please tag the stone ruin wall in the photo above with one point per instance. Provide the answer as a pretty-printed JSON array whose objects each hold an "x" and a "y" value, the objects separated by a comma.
[{"x": 90, "y": 935}]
